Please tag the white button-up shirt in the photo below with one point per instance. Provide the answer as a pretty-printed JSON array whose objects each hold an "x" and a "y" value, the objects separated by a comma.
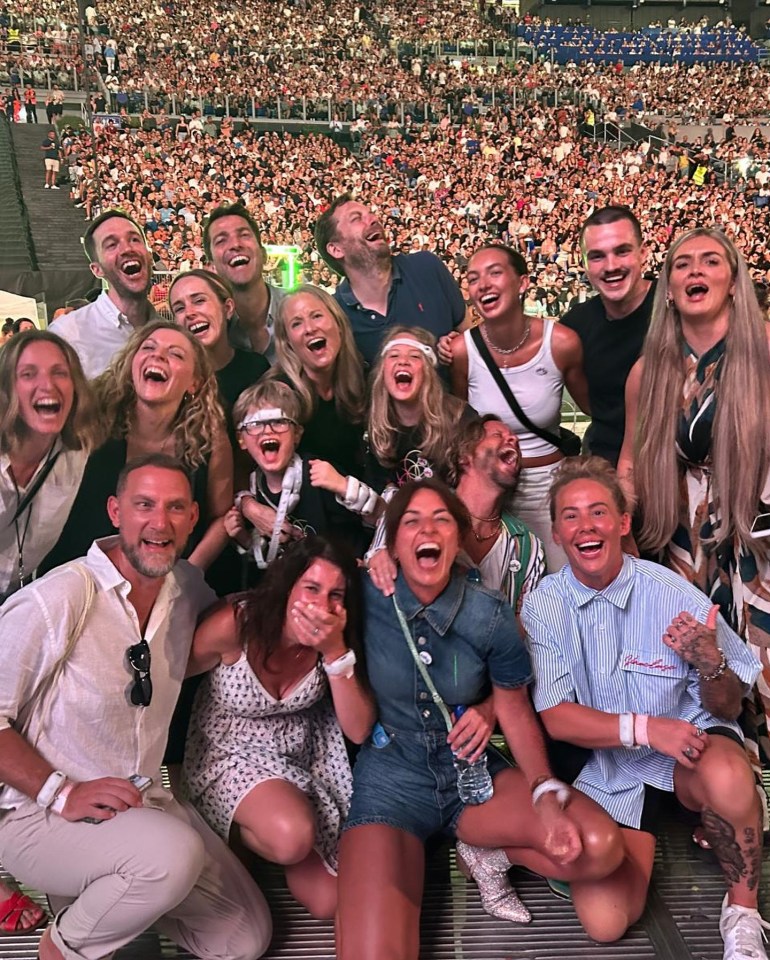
[
  {"x": 604, "y": 649},
  {"x": 47, "y": 514},
  {"x": 87, "y": 726},
  {"x": 96, "y": 332}
]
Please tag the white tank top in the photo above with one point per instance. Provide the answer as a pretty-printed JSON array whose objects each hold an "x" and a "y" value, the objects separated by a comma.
[{"x": 536, "y": 384}]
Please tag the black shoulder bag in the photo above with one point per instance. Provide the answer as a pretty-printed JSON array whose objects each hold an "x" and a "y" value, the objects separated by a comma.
[{"x": 566, "y": 441}]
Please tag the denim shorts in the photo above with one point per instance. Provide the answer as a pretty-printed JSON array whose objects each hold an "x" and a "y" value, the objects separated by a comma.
[{"x": 410, "y": 784}]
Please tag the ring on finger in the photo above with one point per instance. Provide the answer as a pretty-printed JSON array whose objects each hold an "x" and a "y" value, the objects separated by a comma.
[
  {"x": 698, "y": 732},
  {"x": 688, "y": 752}
]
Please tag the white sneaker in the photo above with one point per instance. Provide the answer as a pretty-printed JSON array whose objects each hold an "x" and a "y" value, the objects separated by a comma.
[
  {"x": 46, "y": 186},
  {"x": 54, "y": 187},
  {"x": 743, "y": 931}
]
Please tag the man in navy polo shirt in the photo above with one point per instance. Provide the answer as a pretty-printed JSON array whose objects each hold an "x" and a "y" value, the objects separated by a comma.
[{"x": 380, "y": 289}]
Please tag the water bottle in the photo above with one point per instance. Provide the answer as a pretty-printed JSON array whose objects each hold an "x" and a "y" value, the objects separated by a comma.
[{"x": 474, "y": 784}]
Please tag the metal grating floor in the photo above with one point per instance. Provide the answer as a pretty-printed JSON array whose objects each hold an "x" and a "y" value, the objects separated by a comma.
[{"x": 680, "y": 922}]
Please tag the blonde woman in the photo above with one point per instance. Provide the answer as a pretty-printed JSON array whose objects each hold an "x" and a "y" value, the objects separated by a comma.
[
  {"x": 412, "y": 422},
  {"x": 412, "y": 419},
  {"x": 159, "y": 395},
  {"x": 696, "y": 451},
  {"x": 317, "y": 357}
]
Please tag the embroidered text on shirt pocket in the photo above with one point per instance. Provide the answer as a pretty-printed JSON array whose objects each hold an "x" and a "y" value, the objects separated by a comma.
[{"x": 654, "y": 664}]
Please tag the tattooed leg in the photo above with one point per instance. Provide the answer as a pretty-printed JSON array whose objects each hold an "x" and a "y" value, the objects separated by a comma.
[
  {"x": 739, "y": 853},
  {"x": 721, "y": 787}
]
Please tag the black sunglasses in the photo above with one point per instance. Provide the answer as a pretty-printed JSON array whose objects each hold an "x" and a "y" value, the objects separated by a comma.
[{"x": 138, "y": 655}]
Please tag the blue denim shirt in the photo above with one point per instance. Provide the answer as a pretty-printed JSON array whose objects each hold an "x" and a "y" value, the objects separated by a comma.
[{"x": 468, "y": 638}]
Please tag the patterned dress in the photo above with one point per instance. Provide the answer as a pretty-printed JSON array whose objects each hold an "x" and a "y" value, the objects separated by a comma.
[
  {"x": 241, "y": 736},
  {"x": 734, "y": 578}
]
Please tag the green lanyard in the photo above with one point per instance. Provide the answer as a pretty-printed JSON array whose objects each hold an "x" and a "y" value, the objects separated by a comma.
[{"x": 436, "y": 696}]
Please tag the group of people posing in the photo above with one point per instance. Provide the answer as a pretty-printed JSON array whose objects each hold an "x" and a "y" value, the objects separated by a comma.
[{"x": 339, "y": 512}]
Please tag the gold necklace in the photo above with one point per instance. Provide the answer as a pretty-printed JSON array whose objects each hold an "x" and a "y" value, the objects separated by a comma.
[
  {"x": 506, "y": 351},
  {"x": 484, "y": 519},
  {"x": 482, "y": 539}
]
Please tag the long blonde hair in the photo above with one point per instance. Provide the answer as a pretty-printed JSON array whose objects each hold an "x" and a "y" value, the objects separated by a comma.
[
  {"x": 348, "y": 369},
  {"x": 81, "y": 429},
  {"x": 440, "y": 415},
  {"x": 740, "y": 446},
  {"x": 199, "y": 421}
]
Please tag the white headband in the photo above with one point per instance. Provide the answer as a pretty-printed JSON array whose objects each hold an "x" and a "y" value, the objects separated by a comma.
[
  {"x": 429, "y": 352},
  {"x": 265, "y": 416}
]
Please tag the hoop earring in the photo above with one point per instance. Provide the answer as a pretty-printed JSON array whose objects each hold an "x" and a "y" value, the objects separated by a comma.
[{"x": 188, "y": 397}]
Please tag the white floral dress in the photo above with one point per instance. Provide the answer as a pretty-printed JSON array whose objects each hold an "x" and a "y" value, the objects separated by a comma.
[{"x": 241, "y": 736}]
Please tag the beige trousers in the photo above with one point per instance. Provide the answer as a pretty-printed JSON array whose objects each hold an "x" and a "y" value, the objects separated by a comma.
[{"x": 143, "y": 867}]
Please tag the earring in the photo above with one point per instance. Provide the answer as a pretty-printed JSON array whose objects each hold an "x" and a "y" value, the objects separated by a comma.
[{"x": 188, "y": 397}]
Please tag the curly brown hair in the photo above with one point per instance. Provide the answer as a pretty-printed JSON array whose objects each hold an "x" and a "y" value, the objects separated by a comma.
[{"x": 199, "y": 420}]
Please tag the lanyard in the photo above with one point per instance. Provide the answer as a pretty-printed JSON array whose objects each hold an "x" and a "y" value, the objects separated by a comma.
[
  {"x": 436, "y": 696},
  {"x": 25, "y": 503}
]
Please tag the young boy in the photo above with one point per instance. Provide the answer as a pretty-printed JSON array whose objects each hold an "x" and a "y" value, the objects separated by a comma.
[{"x": 289, "y": 497}]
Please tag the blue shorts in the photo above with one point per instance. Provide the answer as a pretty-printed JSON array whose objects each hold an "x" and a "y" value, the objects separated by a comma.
[{"x": 410, "y": 784}]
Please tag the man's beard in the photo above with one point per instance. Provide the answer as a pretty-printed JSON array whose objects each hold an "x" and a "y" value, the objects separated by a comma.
[{"x": 158, "y": 569}]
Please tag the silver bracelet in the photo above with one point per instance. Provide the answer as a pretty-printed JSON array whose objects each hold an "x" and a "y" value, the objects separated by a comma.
[{"x": 718, "y": 672}]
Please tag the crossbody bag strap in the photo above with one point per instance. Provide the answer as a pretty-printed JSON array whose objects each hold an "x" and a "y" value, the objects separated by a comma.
[
  {"x": 435, "y": 695},
  {"x": 508, "y": 394},
  {"x": 30, "y": 495}
]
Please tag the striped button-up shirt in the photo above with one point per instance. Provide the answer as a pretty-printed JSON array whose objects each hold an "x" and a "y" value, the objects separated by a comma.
[{"x": 604, "y": 649}]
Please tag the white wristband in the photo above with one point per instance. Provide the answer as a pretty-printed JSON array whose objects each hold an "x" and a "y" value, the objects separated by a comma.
[
  {"x": 626, "y": 730},
  {"x": 640, "y": 730},
  {"x": 50, "y": 788},
  {"x": 553, "y": 785},
  {"x": 61, "y": 797},
  {"x": 341, "y": 667}
]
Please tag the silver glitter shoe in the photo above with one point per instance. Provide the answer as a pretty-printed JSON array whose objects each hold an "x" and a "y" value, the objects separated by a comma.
[{"x": 489, "y": 868}]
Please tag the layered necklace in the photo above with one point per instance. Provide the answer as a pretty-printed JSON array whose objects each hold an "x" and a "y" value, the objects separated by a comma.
[
  {"x": 482, "y": 538},
  {"x": 506, "y": 351}
]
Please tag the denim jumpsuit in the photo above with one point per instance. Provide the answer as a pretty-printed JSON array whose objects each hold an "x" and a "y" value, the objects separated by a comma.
[{"x": 469, "y": 640}]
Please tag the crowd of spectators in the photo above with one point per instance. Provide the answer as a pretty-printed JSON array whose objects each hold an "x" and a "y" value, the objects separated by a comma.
[{"x": 527, "y": 177}]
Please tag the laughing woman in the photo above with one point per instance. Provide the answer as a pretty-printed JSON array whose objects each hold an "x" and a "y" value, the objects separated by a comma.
[
  {"x": 534, "y": 358},
  {"x": 405, "y": 781},
  {"x": 48, "y": 425},
  {"x": 318, "y": 358},
  {"x": 696, "y": 452},
  {"x": 159, "y": 395},
  {"x": 203, "y": 304}
]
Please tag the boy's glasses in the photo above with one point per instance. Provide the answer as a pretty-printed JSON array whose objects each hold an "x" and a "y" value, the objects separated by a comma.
[{"x": 255, "y": 428}]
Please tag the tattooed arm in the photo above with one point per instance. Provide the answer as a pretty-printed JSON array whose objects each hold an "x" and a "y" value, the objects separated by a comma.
[{"x": 696, "y": 644}]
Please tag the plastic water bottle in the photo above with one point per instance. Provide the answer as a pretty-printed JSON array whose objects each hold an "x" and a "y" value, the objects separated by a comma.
[{"x": 474, "y": 784}]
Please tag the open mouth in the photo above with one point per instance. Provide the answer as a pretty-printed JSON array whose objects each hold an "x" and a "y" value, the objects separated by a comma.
[
  {"x": 696, "y": 290},
  {"x": 613, "y": 279},
  {"x": 488, "y": 299},
  {"x": 199, "y": 327},
  {"x": 590, "y": 548},
  {"x": 270, "y": 445},
  {"x": 403, "y": 378},
  {"x": 131, "y": 267},
  {"x": 316, "y": 344},
  {"x": 239, "y": 260},
  {"x": 374, "y": 234},
  {"x": 428, "y": 555},
  {"x": 47, "y": 406},
  {"x": 155, "y": 374},
  {"x": 509, "y": 457},
  {"x": 156, "y": 544}
]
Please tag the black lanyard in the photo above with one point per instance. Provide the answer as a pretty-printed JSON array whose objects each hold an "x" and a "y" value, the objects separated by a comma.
[{"x": 25, "y": 503}]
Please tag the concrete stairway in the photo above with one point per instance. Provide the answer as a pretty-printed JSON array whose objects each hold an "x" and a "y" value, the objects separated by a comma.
[{"x": 56, "y": 224}]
